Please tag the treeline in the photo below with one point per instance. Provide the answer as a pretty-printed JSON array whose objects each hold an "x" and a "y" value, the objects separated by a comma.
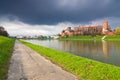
[
  {"x": 117, "y": 31},
  {"x": 3, "y": 32}
]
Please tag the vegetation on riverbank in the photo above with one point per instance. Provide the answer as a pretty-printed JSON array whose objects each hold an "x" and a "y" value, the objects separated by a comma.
[
  {"x": 113, "y": 37},
  {"x": 81, "y": 38},
  {"x": 82, "y": 67},
  {"x": 6, "y": 48}
]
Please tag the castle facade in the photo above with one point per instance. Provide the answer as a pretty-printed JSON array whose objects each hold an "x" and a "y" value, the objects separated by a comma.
[{"x": 88, "y": 30}]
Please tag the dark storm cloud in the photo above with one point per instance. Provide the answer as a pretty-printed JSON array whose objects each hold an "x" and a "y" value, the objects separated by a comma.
[{"x": 55, "y": 11}]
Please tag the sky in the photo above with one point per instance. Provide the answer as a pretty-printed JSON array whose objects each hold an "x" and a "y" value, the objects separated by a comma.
[{"x": 50, "y": 17}]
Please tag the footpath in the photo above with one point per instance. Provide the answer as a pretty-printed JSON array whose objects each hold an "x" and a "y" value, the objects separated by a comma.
[{"x": 26, "y": 64}]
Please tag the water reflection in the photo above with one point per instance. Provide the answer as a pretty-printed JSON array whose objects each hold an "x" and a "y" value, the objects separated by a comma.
[
  {"x": 104, "y": 51},
  {"x": 82, "y": 47}
]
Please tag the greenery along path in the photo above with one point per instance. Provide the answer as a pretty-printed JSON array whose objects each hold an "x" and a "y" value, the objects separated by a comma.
[
  {"x": 82, "y": 67},
  {"x": 26, "y": 64},
  {"x": 6, "y": 48}
]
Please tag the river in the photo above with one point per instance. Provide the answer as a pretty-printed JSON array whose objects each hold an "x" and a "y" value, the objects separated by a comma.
[{"x": 103, "y": 51}]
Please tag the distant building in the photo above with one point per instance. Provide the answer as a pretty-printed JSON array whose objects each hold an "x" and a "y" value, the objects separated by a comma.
[
  {"x": 88, "y": 30},
  {"x": 19, "y": 36},
  {"x": 55, "y": 37}
]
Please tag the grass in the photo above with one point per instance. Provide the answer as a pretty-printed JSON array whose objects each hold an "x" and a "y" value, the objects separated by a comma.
[
  {"x": 6, "y": 48},
  {"x": 114, "y": 37},
  {"x": 81, "y": 38},
  {"x": 82, "y": 67},
  {"x": 98, "y": 37}
]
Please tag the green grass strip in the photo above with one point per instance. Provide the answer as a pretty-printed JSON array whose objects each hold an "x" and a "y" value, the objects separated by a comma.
[
  {"x": 82, "y": 67},
  {"x": 81, "y": 38},
  {"x": 6, "y": 48},
  {"x": 113, "y": 38},
  {"x": 98, "y": 37}
]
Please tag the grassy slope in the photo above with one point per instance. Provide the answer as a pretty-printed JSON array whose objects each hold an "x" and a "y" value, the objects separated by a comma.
[
  {"x": 81, "y": 38},
  {"x": 114, "y": 37},
  {"x": 82, "y": 67},
  {"x": 6, "y": 48}
]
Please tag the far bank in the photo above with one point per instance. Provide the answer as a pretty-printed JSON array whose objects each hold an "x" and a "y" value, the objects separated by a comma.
[{"x": 97, "y": 37}]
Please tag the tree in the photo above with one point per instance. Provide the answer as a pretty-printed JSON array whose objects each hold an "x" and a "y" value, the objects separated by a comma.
[
  {"x": 3, "y": 32},
  {"x": 117, "y": 31}
]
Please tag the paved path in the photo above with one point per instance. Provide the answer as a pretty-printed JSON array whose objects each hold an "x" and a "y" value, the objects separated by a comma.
[{"x": 27, "y": 64}]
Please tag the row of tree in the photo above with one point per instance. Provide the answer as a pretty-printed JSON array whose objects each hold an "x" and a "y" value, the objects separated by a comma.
[{"x": 3, "y": 32}]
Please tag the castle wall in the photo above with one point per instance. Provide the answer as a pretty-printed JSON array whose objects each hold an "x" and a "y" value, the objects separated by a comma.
[{"x": 88, "y": 30}]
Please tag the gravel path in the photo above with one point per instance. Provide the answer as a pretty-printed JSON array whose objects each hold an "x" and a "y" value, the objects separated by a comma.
[{"x": 27, "y": 64}]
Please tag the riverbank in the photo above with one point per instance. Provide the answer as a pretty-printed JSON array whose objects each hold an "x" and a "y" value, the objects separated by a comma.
[
  {"x": 82, "y": 67},
  {"x": 114, "y": 37},
  {"x": 6, "y": 49},
  {"x": 27, "y": 64}
]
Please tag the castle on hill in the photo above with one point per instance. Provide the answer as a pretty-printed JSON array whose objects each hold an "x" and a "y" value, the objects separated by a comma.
[{"x": 88, "y": 30}]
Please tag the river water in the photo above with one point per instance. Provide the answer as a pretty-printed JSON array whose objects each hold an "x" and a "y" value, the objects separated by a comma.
[{"x": 103, "y": 51}]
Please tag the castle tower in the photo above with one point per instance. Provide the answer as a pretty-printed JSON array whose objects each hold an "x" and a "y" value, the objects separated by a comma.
[
  {"x": 68, "y": 29},
  {"x": 105, "y": 27}
]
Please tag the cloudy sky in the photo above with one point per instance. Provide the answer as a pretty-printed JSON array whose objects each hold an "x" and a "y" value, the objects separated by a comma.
[{"x": 49, "y": 17}]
